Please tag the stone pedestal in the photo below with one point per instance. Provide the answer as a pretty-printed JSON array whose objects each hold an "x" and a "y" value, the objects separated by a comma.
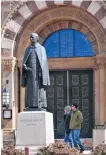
[
  {"x": 34, "y": 129},
  {"x": 1, "y": 139},
  {"x": 99, "y": 137}
]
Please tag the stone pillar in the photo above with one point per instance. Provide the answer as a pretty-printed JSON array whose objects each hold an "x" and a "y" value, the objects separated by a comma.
[
  {"x": 8, "y": 66},
  {"x": 13, "y": 96},
  {"x": 22, "y": 95},
  {"x": 97, "y": 94},
  {"x": 101, "y": 60},
  {"x": 22, "y": 90}
]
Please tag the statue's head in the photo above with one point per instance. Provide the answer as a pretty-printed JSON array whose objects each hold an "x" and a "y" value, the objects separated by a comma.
[{"x": 34, "y": 37}]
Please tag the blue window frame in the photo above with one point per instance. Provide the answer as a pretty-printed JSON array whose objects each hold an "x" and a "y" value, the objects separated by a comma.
[{"x": 68, "y": 43}]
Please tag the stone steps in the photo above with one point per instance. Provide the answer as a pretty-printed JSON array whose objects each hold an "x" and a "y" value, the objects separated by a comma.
[
  {"x": 88, "y": 152},
  {"x": 34, "y": 151}
]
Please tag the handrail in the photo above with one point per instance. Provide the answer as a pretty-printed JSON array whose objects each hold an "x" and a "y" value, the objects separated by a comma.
[{"x": 100, "y": 126}]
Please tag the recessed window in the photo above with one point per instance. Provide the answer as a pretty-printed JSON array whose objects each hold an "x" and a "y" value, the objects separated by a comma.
[{"x": 68, "y": 43}]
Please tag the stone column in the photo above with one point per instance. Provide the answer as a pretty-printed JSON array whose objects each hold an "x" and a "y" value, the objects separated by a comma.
[
  {"x": 22, "y": 90},
  {"x": 97, "y": 94},
  {"x": 8, "y": 66},
  {"x": 101, "y": 60},
  {"x": 13, "y": 95}
]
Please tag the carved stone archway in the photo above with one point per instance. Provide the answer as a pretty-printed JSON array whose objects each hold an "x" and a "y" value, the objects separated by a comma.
[
  {"x": 62, "y": 13},
  {"x": 68, "y": 24}
]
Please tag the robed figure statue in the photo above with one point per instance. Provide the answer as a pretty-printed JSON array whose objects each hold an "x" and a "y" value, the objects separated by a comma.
[{"x": 35, "y": 74}]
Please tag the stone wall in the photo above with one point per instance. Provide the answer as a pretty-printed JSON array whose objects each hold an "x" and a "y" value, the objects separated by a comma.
[
  {"x": 45, "y": 17},
  {"x": 6, "y": 8}
]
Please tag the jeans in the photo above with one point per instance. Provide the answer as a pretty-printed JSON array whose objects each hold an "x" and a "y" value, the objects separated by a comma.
[
  {"x": 67, "y": 138},
  {"x": 76, "y": 139}
]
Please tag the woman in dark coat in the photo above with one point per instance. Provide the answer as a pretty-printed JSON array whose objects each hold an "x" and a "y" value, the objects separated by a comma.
[{"x": 67, "y": 117}]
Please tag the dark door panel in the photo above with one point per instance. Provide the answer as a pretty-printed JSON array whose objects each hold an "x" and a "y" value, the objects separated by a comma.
[
  {"x": 80, "y": 90},
  {"x": 57, "y": 100}
]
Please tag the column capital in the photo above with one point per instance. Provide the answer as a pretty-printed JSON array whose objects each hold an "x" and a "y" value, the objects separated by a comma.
[
  {"x": 100, "y": 61},
  {"x": 19, "y": 63},
  {"x": 8, "y": 64}
]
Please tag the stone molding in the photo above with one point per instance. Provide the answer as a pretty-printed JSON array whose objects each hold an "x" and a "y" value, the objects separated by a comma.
[
  {"x": 8, "y": 64},
  {"x": 63, "y": 13},
  {"x": 35, "y": 9},
  {"x": 66, "y": 63}
]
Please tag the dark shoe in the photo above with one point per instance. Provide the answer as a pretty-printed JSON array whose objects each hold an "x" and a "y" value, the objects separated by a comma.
[{"x": 81, "y": 151}]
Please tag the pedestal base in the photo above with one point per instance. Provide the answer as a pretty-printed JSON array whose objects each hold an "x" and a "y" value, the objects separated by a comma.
[
  {"x": 34, "y": 128},
  {"x": 35, "y": 109},
  {"x": 99, "y": 137}
]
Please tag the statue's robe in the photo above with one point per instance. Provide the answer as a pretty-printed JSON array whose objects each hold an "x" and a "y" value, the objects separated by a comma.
[{"x": 35, "y": 79}]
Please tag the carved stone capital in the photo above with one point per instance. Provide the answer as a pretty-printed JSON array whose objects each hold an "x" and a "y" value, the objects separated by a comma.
[
  {"x": 96, "y": 66},
  {"x": 8, "y": 64},
  {"x": 19, "y": 63},
  {"x": 101, "y": 61}
]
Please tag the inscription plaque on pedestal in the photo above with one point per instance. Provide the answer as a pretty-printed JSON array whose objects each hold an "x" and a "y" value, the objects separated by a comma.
[{"x": 34, "y": 129}]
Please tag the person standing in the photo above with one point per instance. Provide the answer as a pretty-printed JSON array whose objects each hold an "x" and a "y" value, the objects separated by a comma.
[
  {"x": 75, "y": 127},
  {"x": 67, "y": 117}
]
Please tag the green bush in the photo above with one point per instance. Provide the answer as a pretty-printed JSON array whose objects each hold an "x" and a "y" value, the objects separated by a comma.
[{"x": 58, "y": 148}]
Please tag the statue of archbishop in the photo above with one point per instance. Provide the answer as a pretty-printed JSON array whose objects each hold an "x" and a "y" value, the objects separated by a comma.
[{"x": 35, "y": 74}]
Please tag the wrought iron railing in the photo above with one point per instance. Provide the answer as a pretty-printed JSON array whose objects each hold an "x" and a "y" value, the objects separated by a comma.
[{"x": 101, "y": 126}]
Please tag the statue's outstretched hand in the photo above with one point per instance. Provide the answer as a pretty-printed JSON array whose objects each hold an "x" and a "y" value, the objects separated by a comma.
[{"x": 27, "y": 68}]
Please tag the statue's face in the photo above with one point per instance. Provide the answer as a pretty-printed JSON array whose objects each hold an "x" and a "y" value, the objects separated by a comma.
[{"x": 33, "y": 38}]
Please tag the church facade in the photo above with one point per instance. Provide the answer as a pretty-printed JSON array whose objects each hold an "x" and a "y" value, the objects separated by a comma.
[{"x": 74, "y": 36}]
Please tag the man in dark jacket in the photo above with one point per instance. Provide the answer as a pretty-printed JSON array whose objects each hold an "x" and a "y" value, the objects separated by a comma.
[
  {"x": 67, "y": 117},
  {"x": 75, "y": 127}
]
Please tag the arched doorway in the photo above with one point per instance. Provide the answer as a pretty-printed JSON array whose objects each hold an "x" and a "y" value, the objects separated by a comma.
[{"x": 70, "y": 86}]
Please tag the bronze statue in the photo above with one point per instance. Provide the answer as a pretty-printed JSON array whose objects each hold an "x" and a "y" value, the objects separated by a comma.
[{"x": 35, "y": 74}]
